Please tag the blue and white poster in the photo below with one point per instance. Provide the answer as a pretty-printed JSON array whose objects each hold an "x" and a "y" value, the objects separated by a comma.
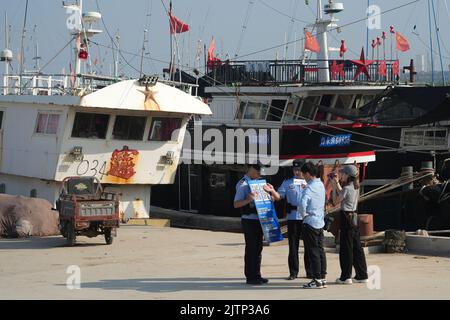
[
  {"x": 266, "y": 211},
  {"x": 339, "y": 140}
]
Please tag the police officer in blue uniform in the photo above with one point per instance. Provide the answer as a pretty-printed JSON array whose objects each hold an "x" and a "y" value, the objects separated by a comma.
[
  {"x": 291, "y": 189},
  {"x": 244, "y": 200}
]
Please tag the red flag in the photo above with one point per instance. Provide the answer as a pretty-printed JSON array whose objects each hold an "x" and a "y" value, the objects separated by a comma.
[
  {"x": 378, "y": 41},
  {"x": 396, "y": 68},
  {"x": 343, "y": 49},
  {"x": 211, "y": 49},
  {"x": 374, "y": 43},
  {"x": 213, "y": 61},
  {"x": 177, "y": 26},
  {"x": 311, "y": 43},
  {"x": 382, "y": 68},
  {"x": 402, "y": 43},
  {"x": 391, "y": 29},
  {"x": 337, "y": 69},
  {"x": 383, "y": 35}
]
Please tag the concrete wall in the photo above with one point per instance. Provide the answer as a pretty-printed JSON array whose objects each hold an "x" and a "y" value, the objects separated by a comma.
[
  {"x": 433, "y": 245},
  {"x": 17, "y": 185},
  {"x": 134, "y": 201}
]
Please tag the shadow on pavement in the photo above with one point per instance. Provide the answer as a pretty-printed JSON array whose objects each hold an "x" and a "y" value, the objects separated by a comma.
[
  {"x": 186, "y": 284},
  {"x": 42, "y": 243}
]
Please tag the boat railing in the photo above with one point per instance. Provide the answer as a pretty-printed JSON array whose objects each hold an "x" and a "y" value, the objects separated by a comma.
[
  {"x": 65, "y": 84},
  {"x": 53, "y": 84},
  {"x": 284, "y": 72}
]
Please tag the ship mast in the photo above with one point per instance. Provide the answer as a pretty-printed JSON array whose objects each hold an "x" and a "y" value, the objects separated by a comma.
[
  {"x": 6, "y": 56},
  {"x": 22, "y": 53},
  {"x": 80, "y": 25},
  {"x": 77, "y": 58},
  {"x": 322, "y": 24}
]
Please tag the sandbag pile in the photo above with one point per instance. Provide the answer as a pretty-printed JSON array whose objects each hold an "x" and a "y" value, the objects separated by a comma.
[{"x": 22, "y": 217}]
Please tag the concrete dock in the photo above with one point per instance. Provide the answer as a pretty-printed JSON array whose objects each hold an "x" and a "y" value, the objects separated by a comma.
[{"x": 147, "y": 262}]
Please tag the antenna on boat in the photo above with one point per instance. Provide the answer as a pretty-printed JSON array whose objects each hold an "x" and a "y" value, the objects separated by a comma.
[
  {"x": 36, "y": 57},
  {"x": 22, "y": 53},
  {"x": 144, "y": 48},
  {"x": 6, "y": 56},
  {"x": 438, "y": 40},
  {"x": 116, "y": 60},
  {"x": 322, "y": 24}
]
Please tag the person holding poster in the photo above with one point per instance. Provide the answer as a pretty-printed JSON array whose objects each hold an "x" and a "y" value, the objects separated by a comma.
[
  {"x": 312, "y": 209},
  {"x": 291, "y": 189},
  {"x": 253, "y": 234}
]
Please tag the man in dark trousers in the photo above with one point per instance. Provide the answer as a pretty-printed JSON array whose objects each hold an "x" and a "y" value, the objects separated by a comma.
[
  {"x": 291, "y": 189},
  {"x": 244, "y": 200},
  {"x": 312, "y": 208}
]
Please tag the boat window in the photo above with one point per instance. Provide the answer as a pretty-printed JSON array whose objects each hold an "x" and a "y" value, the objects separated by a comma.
[
  {"x": 90, "y": 125},
  {"x": 162, "y": 129},
  {"x": 326, "y": 101},
  {"x": 308, "y": 108},
  {"x": 276, "y": 110},
  {"x": 47, "y": 123},
  {"x": 129, "y": 128},
  {"x": 434, "y": 138},
  {"x": 292, "y": 108},
  {"x": 1, "y": 119},
  {"x": 256, "y": 111},
  {"x": 343, "y": 102},
  {"x": 362, "y": 100},
  {"x": 241, "y": 110}
]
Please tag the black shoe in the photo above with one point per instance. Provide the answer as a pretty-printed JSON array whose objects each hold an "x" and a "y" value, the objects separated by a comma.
[
  {"x": 314, "y": 284},
  {"x": 291, "y": 277},
  {"x": 255, "y": 282},
  {"x": 264, "y": 280}
]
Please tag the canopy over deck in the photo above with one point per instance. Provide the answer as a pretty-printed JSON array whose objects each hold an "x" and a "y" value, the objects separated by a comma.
[{"x": 131, "y": 95}]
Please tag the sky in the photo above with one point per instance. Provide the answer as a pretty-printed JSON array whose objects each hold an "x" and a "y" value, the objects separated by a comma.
[{"x": 240, "y": 27}]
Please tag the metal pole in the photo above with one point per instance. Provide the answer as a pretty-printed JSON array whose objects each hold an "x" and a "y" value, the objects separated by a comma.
[
  {"x": 22, "y": 46},
  {"x": 77, "y": 58},
  {"x": 116, "y": 63},
  {"x": 171, "y": 46},
  {"x": 5, "y": 79},
  {"x": 439, "y": 44},
  {"x": 143, "y": 52},
  {"x": 367, "y": 30},
  {"x": 431, "y": 43}
]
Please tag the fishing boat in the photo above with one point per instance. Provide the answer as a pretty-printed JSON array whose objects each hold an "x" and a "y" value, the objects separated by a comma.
[
  {"x": 330, "y": 110},
  {"x": 128, "y": 133}
]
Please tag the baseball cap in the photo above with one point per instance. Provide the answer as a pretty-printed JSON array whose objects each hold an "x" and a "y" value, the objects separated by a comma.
[
  {"x": 350, "y": 170},
  {"x": 256, "y": 165},
  {"x": 298, "y": 163}
]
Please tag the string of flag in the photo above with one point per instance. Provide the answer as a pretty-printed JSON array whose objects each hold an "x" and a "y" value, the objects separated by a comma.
[{"x": 362, "y": 65}]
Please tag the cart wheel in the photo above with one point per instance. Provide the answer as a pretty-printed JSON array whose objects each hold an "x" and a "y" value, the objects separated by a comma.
[
  {"x": 108, "y": 236},
  {"x": 71, "y": 235}
]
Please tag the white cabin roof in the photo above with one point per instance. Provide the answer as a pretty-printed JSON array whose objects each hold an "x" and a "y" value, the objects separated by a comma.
[{"x": 130, "y": 95}]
